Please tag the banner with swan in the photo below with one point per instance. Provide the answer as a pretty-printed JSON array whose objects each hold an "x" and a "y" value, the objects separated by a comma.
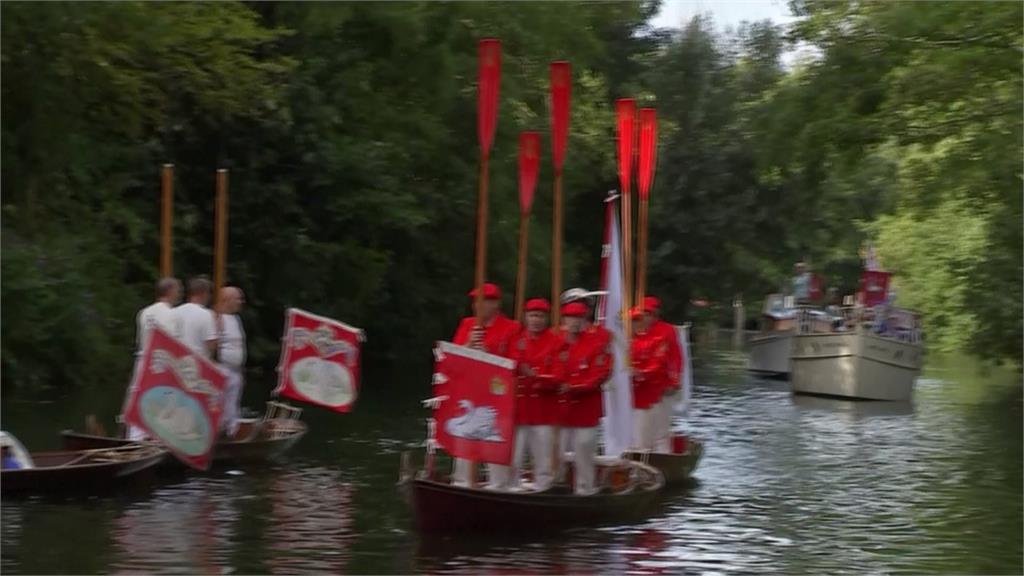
[
  {"x": 177, "y": 398},
  {"x": 319, "y": 361},
  {"x": 475, "y": 418}
]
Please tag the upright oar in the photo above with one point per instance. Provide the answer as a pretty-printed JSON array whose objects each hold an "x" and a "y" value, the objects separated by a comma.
[
  {"x": 645, "y": 178},
  {"x": 625, "y": 111},
  {"x": 489, "y": 71},
  {"x": 529, "y": 163},
  {"x": 561, "y": 90},
  {"x": 167, "y": 221},
  {"x": 220, "y": 234}
]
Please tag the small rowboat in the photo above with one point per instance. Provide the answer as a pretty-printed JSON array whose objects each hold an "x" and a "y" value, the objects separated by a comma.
[
  {"x": 80, "y": 470},
  {"x": 678, "y": 466},
  {"x": 257, "y": 440},
  {"x": 628, "y": 489}
]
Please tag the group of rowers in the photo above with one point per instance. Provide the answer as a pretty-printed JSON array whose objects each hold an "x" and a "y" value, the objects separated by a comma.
[
  {"x": 215, "y": 334},
  {"x": 560, "y": 378}
]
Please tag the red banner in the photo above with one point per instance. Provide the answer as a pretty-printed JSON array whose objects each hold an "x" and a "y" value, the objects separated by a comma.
[
  {"x": 648, "y": 150},
  {"x": 477, "y": 419},
  {"x": 529, "y": 163},
  {"x": 874, "y": 286},
  {"x": 489, "y": 72},
  {"x": 319, "y": 361},
  {"x": 177, "y": 397},
  {"x": 625, "y": 111},
  {"x": 561, "y": 90}
]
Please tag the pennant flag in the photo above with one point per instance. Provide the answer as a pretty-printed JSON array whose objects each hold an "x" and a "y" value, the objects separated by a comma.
[
  {"x": 319, "y": 361},
  {"x": 477, "y": 419},
  {"x": 617, "y": 423},
  {"x": 685, "y": 374},
  {"x": 176, "y": 397}
]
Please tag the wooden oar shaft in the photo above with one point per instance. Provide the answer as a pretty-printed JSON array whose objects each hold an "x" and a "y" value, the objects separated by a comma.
[
  {"x": 524, "y": 231},
  {"x": 641, "y": 267},
  {"x": 627, "y": 264},
  {"x": 481, "y": 237},
  {"x": 556, "y": 256},
  {"x": 167, "y": 221},
  {"x": 220, "y": 233}
]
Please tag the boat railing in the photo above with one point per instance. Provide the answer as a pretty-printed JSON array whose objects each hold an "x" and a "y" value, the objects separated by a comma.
[
  {"x": 883, "y": 321},
  {"x": 279, "y": 413}
]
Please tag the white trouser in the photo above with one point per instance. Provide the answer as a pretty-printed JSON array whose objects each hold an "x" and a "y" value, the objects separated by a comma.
[
  {"x": 583, "y": 442},
  {"x": 232, "y": 402},
  {"x": 133, "y": 432},
  {"x": 663, "y": 432},
  {"x": 460, "y": 475},
  {"x": 539, "y": 441},
  {"x": 643, "y": 428}
]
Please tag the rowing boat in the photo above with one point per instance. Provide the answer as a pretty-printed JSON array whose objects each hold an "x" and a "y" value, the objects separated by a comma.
[{"x": 80, "y": 470}]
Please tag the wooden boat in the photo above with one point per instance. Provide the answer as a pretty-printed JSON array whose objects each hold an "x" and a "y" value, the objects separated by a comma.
[
  {"x": 628, "y": 489},
  {"x": 257, "y": 439},
  {"x": 81, "y": 470},
  {"x": 677, "y": 467},
  {"x": 858, "y": 362}
]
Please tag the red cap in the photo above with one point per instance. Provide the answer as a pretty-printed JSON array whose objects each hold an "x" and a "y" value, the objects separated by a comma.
[
  {"x": 574, "y": 310},
  {"x": 652, "y": 303},
  {"x": 491, "y": 292},
  {"x": 636, "y": 312},
  {"x": 538, "y": 305}
]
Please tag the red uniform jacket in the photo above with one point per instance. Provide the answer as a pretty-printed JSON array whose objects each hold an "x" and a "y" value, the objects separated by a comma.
[
  {"x": 583, "y": 366},
  {"x": 498, "y": 336},
  {"x": 537, "y": 396},
  {"x": 649, "y": 357},
  {"x": 668, "y": 333}
]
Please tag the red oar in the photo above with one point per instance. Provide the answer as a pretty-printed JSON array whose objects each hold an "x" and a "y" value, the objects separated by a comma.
[
  {"x": 645, "y": 178},
  {"x": 529, "y": 163},
  {"x": 487, "y": 118},
  {"x": 561, "y": 90},
  {"x": 625, "y": 112}
]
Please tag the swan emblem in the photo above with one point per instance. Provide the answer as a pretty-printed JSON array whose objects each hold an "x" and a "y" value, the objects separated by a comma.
[
  {"x": 475, "y": 423},
  {"x": 179, "y": 420}
]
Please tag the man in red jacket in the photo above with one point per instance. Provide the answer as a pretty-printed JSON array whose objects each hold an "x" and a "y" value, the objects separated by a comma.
[
  {"x": 649, "y": 357},
  {"x": 537, "y": 407},
  {"x": 494, "y": 336},
  {"x": 662, "y": 412},
  {"x": 584, "y": 365}
]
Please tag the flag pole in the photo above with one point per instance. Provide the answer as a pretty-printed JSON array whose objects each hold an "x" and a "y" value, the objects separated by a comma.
[
  {"x": 167, "y": 221},
  {"x": 561, "y": 91},
  {"x": 529, "y": 160},
  {"x": 220, "y": 233}
]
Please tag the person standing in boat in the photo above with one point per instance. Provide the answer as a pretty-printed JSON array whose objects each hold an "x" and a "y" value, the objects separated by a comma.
[
  {"x": 537, "y": 410},
  {"x": 801, "y": 283},
  {"x": 197, "y": 325},
  {"x": 662, "y": 411},
  {"x": 160, "y": 313},
  {"x": 584, "y": 364},
  {"x": 649, "y": 355},
  {"x": 494, "y": 336},
  {"x": 231, "y": 353}
]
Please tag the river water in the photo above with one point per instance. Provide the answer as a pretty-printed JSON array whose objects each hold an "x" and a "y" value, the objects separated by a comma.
[{"x": 788, "y": 485}]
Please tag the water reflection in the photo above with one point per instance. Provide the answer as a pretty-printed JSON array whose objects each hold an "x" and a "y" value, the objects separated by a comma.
[{"x": 788, "y": 484}]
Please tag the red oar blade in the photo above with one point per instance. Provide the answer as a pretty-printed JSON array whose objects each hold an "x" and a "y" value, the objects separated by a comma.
[
  {"x": 561, "y": 91},
  {"x": 487, "y": 95},
  {"x": 648, "y": 150},
  {"x": 625, "y": 112},
  {"x": 529, "y": 164}
]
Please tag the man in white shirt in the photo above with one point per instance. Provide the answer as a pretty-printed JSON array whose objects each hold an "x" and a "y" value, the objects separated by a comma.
[
  {"x": 160, "y": 313},
  {"x": 231, "y": 353},
  {"x": 198, "y": 329}
]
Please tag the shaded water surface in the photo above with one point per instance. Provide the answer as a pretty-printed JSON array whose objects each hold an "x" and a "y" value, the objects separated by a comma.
[{"x": 788, "y": 484}]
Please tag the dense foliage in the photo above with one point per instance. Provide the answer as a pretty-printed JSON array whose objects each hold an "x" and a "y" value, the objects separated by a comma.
[{"x": 349, "y": 133}]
